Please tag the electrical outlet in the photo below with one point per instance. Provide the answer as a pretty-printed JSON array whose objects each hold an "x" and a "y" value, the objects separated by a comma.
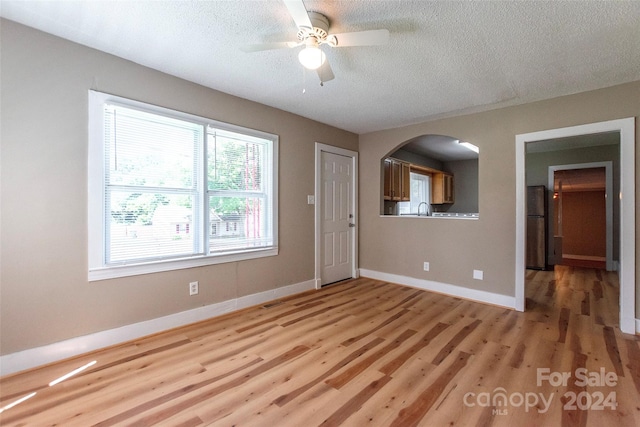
[
  {"x": 477, "y": 274},
  {"x": 193, "y": 288},
  {"x": 426, "y": 266},
  {"x": 311, "y": 200}
]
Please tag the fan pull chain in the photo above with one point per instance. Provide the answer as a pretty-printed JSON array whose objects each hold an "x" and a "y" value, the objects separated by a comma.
[{"x": 304, "y": 80}]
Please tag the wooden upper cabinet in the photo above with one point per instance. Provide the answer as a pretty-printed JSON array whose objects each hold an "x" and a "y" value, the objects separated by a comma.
[
  {"x": 387, "y": 179},
  {"x": 397, "y": 180},
  {"x": 442, "y": 188},
  {"x": 405, "y": 181},
  {"x": 396, "y": 184}
]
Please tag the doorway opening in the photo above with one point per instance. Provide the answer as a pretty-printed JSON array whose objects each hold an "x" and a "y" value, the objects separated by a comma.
[
  {"x": 582, "y": 214},
  {"x": 625, "y": 129}
]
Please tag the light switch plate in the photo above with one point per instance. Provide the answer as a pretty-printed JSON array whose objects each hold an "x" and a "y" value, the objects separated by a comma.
[{"x": 311, "y": 200}]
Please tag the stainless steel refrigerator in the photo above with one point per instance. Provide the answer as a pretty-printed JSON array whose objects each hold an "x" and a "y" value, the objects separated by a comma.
[{"x": 536, "y": 227}]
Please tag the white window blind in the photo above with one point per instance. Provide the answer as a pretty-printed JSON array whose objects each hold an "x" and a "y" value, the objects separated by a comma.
[
  {"x": 170, "y": 190},
  {"x": 151, "y": 186}
]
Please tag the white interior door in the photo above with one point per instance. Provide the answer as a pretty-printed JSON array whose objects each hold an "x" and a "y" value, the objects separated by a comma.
[{"x": 337, "y": 217}]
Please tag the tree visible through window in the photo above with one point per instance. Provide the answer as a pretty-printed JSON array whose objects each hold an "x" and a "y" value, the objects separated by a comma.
[
  {"x": 175, "y": 186},
  {"x": 237, "y": 194}
]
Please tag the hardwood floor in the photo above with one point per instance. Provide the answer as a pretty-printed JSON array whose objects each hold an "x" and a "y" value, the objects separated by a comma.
[
  {"x": 584, "y": 263},
  {"x": 363, "y": 352}
]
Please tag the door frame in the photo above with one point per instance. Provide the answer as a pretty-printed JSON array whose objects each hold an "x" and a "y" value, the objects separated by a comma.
[
  {"x": 319, "y": 149},
  {"x": 608, "y": 167},
  {"x": 626, "y": 129}
]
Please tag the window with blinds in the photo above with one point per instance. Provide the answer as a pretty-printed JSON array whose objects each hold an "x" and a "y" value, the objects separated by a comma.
[{"x": 169, "y": 190}]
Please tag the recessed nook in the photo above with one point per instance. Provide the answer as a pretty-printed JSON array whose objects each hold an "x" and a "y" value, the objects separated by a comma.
[{"x": 431, "y": 176}]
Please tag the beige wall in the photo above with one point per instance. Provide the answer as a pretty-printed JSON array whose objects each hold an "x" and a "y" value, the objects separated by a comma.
[
  {"x": 45, "y": 296},
  {"x": 455, "y": 248},
  {"x": 465, "y": 185},
  {"x": 44, "y": 293}
]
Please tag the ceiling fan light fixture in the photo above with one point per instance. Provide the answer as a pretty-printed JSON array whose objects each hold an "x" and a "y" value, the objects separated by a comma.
[
  {"x": 469, "y": 146},
  {"x": 312, "y": 57}
]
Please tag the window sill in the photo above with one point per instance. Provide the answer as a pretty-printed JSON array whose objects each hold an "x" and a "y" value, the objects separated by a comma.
[{"x": 112, "y": 272}]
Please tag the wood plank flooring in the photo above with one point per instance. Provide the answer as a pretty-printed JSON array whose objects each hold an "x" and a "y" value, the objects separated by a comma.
[{"x": 363, "y": 352}]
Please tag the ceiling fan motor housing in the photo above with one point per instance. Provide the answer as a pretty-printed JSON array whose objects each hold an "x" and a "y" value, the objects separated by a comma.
[{"x": 320, "y": 29}]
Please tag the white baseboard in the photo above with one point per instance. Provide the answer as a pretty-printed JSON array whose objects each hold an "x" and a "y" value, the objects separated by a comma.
[
  {"x": 584, "y": 257},
  {"x": 443, "y": 288},
  {"x": 637, "y": 326},
  {"x": 33, "y": 357}
]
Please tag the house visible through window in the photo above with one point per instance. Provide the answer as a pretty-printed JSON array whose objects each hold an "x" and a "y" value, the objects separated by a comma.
[{"x": 169, "y": 190}]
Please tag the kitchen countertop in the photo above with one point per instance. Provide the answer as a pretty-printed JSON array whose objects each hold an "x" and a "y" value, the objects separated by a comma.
[{"x": 448, "y": 215}]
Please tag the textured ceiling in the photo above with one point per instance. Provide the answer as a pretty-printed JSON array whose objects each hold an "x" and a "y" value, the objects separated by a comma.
[{"x": 443, "y": 57}]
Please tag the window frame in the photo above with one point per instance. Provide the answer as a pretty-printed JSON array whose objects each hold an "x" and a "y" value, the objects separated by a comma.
[
  {"x": 96, "y": 217},
  {"x": 406, "y": 206}
]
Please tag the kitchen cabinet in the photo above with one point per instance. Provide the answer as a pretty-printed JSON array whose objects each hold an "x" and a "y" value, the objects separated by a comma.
[
  {"x": 442, "y": 188},
  {"x": 387, "y": 179},
  {"x": 405, "y": 182},
  {"x": 397, "y": 180}
]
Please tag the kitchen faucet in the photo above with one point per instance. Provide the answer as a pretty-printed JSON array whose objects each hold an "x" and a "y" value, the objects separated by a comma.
[{"x": 426, "y": 209}]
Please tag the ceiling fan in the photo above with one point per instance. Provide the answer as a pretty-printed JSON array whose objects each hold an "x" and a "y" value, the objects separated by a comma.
[{"x": 313, "y": 32}]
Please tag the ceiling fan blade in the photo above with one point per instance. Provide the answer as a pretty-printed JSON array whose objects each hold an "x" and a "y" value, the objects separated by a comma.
[
  {"x": 325, "y": 72},
  {"x": 298, "y": 12},
  {"x": 268, "y": 46},
  {"x": 360, "y": 38}
]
